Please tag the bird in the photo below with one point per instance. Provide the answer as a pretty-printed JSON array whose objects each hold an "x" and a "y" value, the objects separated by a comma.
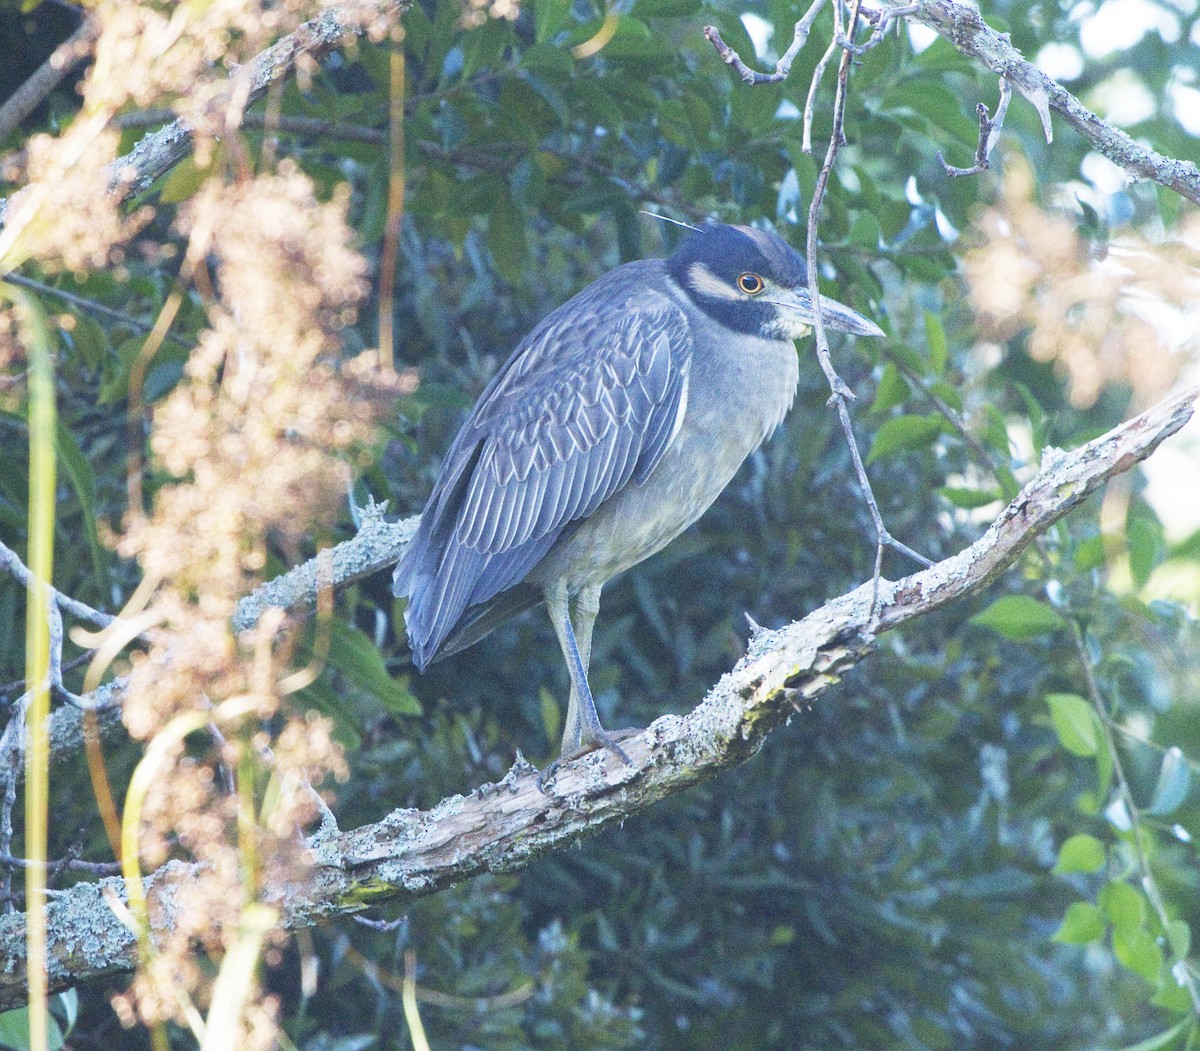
[{"x": 610, "y": 429}]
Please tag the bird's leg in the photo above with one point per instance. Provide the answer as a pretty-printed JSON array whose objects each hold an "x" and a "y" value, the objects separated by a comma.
[
  {"x": 583, "y": 728},
  {"x": 583, "y": 619}
]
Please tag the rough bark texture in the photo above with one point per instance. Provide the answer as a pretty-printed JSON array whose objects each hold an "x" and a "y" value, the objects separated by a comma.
[{"x": 505, "y": 826}]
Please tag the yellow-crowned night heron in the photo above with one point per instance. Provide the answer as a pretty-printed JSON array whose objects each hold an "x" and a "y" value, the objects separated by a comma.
[{"x": 610, "y": 430}]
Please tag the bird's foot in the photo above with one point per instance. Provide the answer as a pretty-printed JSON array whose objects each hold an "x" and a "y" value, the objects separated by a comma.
[{"x": 595, "y": 740}]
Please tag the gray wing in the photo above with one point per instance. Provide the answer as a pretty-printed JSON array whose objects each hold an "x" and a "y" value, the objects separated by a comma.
[{"x": 587, "y": 404}]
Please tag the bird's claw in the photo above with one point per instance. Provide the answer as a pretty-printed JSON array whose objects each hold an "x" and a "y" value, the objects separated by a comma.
[{"x": 596, "y": 739}]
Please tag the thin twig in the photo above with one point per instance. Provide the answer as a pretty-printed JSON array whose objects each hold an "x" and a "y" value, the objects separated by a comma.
[
  {"x": 882, "y": 17},
  {"x": 810, "y": 101},
  {"x": 783, "y": 67},
  {"x": 12, "y": 564},
  {"x": 842, "y": 394},
  {"x": 989, "y": 132},
  {"x": 92, "y": 306},
  {"x": 954, "y": 418}
]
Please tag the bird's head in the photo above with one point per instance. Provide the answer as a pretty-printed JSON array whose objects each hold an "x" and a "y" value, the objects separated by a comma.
[{"x": 754, "y": 282}]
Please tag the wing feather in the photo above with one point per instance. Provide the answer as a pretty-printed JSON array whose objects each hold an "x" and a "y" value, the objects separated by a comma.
[{"x": 587, "y": 403}]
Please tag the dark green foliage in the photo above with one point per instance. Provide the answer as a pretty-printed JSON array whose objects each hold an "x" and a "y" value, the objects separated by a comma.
[{"x": 891, "y": 871}]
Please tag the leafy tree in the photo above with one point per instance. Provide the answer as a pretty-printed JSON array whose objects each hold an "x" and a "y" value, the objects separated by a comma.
[{"x": 983, "y": 837}]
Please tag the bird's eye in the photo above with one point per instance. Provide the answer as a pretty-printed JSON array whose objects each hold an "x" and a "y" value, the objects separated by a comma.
[{"x": 751, "y": 284}]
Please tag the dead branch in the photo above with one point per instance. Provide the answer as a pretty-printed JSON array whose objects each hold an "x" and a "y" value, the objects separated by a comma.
[
  {"x": 963, "y": 26},
  {"x": 503, "y": 827},
  {"x": 989, "y": 133}
]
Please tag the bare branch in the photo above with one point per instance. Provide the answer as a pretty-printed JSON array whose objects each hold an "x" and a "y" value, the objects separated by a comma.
[
  {"x": 841, "y": 394},
  {"x": 377, "y": 545},
  {"x": 783, "y": 67},
  {"x": 91, "y": 306},
  {"x": 12, "y": 564},
  {"x": 989, "y": 132},
  {"x": 504, "y": 827},
  {"x": 964, "y": 27},
  {"x": 48, "y": 75}
]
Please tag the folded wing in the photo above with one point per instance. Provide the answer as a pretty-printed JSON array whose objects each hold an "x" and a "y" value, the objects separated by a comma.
[{"x": 558, "y": 431}]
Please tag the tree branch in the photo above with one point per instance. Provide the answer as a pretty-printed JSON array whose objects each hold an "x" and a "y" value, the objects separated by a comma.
[
  {"x": 503, "y": 827},
  {"x": 963, "y": 26},
  {"x": 48, "y": 75}
]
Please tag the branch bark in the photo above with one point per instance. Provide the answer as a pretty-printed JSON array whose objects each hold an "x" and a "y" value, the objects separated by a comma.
[
  {"x": 48, "y": 76},
  {"x": 503, "y": 827},
  {"x": 963, "y": 26}
]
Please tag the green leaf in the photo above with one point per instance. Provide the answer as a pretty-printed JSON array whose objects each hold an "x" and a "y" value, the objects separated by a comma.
[
  {"x": 1075, "y": 723},
  {"x": 1174, "y": 780},
  {"x": 551, "y": 715},
  {"x": 892, "y": 390},
  {"x": 549, "y": 17},
  {"x": 506, "y": 239},
  {"x": 14, "y": 1030},
  {"x": 948, "y": 393},
  {"x": 783, "y": 935},
  {"x": 90, "y": 341},
  {"x": 1089, "y": 553},
  {"x": 1124, "y": 906},
  {"x": 1163, "y": 1039},
  {"x": 904, "y": 432},
  {"x": 1080, "y": 853},
  {"x": 968, "y": 499},
  {"x": 1172, "y": 997},
  {"x": 996, "y": 431},
  {"x": 1083, "y": 923},
  {"x": 935, "y": 340},
  {"x": 1037, "y": 416},
  {"x": 1179, "y": 938},
  {"x": 665, "y": 8},
  {"x": 1145, "y": 541},
  {"x": 1019, "y": 617},
  {"x": 1104, "y": 772},
  {"x": 865, "y": 231},
  {"x": 184, "y": 180},
  {"x": 357, "y": 658},
  {"x": 79, "y": 472},
  {"x": 1138, "y": 951}
]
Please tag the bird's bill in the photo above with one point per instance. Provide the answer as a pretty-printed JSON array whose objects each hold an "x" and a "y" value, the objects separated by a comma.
[{"x": 796, "y": 307}]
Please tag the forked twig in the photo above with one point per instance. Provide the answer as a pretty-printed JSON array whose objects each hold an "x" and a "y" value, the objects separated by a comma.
[
  {"x": 783, "y": 67},
  {"x": 989, "y": 132}
]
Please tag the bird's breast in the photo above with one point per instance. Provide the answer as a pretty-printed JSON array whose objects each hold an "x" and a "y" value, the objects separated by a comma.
[{"x": 737, "y": 395}]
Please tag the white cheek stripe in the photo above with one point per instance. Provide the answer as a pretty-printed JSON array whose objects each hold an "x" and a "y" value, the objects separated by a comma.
[{"x": 707, "y": 283}]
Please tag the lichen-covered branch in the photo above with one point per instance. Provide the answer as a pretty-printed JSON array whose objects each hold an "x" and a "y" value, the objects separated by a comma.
[
  {"x": 502, "y": 827},
  {"x": 377, "y": 545},
  {"x": 963, "y": 26}
]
